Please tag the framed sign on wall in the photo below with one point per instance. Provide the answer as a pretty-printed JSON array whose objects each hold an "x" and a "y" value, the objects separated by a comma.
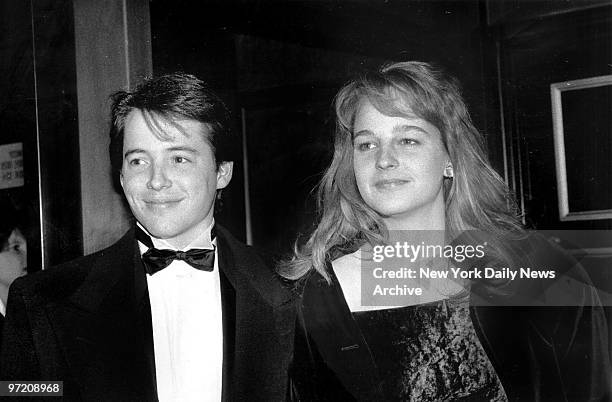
[{"x": 582, "y": 128}]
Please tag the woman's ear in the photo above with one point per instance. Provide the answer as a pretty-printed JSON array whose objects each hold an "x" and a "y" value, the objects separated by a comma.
[{"x": 448, "y": 170}]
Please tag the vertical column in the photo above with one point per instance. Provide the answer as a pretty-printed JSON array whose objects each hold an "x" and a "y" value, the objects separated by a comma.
[
  {"x": 53, "y": 156},
  {"x": 113, "y": 51}
]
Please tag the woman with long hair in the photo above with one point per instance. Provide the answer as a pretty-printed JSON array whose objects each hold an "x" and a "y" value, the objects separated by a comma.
[{"x": 409, "y": 164}]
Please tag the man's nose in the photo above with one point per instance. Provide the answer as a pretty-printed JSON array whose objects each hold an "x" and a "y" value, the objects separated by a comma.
[
  {"x": 158, "y": 179},
  {"x": 386, "y": 158}
]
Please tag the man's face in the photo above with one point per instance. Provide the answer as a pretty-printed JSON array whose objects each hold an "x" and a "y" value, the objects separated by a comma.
[{"x": 170, "y": 183}]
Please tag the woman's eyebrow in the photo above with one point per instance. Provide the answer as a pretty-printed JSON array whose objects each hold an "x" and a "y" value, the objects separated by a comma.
[
  {"x": 362, "y": 132},
  {"x": 405, "y": 128}
]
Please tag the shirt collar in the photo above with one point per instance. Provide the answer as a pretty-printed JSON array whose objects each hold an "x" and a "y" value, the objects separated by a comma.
[{"x": 203, "y": 241}]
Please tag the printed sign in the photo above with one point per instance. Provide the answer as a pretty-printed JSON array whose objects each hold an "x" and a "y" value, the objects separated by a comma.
[{"x": 11, "y": 165}]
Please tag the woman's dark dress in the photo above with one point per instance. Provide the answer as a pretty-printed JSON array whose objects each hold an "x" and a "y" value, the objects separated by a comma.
[
  {"x": 429, "y": 352},
  {"x": 548, "y": 353}
]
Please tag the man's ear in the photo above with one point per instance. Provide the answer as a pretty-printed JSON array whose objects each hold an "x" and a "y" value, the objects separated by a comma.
[
  {"x": 224, "y": 174},
  {"x": 121, "y": 180}
]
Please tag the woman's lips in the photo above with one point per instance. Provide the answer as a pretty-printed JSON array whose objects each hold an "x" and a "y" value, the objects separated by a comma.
[{"x": 390, "y": 184}]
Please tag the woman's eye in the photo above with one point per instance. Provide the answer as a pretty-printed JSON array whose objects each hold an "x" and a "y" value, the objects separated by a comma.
[
  {"x": 365, "y": 146},
  {"x": 409, "y": 141}
]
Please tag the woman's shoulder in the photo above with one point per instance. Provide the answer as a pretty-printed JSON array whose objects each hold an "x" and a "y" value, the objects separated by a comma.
[
  {"x": 539, "y": 272},
  {"x": 315, "y": 286},
  {"x": 346, "y": 262}
]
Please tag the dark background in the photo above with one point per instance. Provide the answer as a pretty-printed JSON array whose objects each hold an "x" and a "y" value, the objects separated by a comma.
[
  {"x": 267, "y": 58},
  {"x": 278, "y": 64}
]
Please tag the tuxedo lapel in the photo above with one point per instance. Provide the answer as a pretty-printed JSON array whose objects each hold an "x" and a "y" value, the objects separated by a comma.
[
  {"x": 228, "y": 300},
  {"x": 328, "y": 322},
  {"x": 101, "y": 328},
  {"x": 259, "y": 323},
  {"x": 144, "y": 326}
]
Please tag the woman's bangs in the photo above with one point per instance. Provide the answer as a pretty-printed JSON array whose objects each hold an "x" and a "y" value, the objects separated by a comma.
[{"x": 395, "y": 103}]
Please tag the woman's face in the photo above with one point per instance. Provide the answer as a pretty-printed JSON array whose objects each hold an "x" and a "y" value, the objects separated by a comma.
[
  {"x": 399, "y": 167},
  {"x": 13, "y": 258}
]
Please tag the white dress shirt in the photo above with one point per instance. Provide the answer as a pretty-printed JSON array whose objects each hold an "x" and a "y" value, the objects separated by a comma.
[{"x": 186, "y": 313}]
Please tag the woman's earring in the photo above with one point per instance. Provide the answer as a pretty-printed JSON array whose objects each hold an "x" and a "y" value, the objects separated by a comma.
[{"x": 448, "y": 171}]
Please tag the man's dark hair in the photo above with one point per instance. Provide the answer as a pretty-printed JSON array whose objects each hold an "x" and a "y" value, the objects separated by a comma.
[{"x": 172, "y": 97}]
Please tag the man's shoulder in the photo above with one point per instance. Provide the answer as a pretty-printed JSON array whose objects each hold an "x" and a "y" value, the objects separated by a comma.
[
  {"x": 258, "y": 267},
  {"x": 246, "y": 253},
  {"x": 62, "y": 280}
]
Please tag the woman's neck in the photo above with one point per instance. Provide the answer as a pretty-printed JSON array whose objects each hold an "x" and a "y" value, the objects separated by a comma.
[{"x": 434, "y": 218}]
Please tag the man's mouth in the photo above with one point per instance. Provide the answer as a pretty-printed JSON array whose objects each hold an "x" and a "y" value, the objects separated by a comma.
[{"x": 161, "y": 203}]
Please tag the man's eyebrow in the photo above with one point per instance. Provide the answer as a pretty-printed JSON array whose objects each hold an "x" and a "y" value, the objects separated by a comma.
[
  {"x": 184, "y": 149},
  {"x": 133, "y": 151},
  {"x": 171, "y": 149}
]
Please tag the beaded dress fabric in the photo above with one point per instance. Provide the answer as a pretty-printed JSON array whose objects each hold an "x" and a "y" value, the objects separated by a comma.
[{"x": 430, "y": 352}]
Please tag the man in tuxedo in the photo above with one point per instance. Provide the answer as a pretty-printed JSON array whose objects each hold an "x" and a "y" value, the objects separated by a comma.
[{"x": 177, "y": 309}]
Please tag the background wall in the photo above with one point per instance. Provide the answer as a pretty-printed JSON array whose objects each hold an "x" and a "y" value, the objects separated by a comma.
[
  {"x": 59, "y": 62},
  {"x": 113, "y": 51},
  {"x": 277, "y": 64}
]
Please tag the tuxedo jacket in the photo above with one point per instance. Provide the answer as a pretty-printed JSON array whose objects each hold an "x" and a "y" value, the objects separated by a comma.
[
  {"x": 556, "y": 354},
  {"x": 88, "y": 323}
]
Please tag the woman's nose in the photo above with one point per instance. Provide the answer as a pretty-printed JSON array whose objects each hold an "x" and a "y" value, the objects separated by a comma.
[{"x": 386, "y": 158}]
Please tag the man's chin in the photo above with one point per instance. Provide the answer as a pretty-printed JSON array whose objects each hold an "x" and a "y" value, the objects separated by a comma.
[
  {"x": 163, "y": 235},
  {"x": 159, "y": 232}
]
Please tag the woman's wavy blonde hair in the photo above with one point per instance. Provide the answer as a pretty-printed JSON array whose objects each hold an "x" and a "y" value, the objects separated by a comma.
[{"x": 477, "y": 197}]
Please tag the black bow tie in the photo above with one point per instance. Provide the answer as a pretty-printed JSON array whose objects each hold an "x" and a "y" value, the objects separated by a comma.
[{"x": 155, "y": 260}]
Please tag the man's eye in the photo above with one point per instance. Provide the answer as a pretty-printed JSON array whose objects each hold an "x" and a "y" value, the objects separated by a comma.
[
  {"x": 136, "y": 162},
  {"x": 180, "y": 159}
]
